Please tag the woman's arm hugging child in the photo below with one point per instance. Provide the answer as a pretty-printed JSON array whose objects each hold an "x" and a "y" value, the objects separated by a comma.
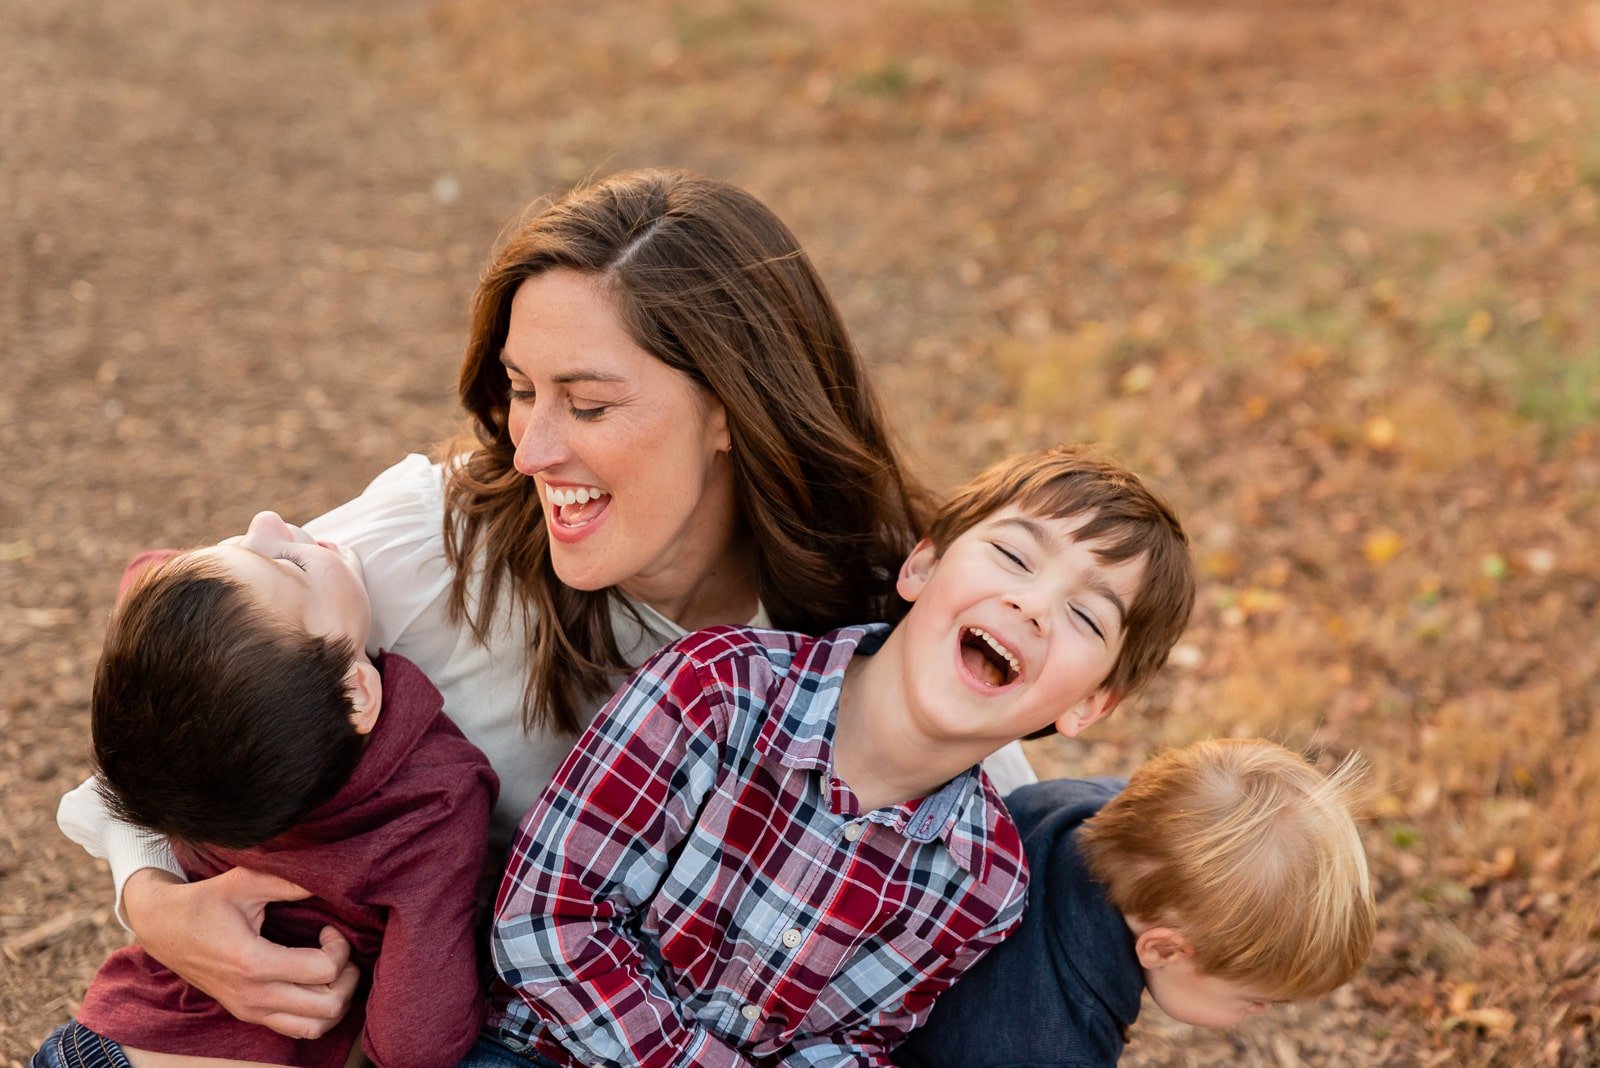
[{"x": 236, "y": 711}]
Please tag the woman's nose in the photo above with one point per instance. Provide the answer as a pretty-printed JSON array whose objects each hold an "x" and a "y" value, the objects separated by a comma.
[{"x": 540, "y": 445}]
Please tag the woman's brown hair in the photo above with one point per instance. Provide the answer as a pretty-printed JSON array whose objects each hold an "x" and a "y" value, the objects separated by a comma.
[{"x": 705, "y": 278}]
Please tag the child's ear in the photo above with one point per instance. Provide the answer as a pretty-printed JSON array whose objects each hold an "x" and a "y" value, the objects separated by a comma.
[
  {"x": 915, "y": 571},
  {"x": 365, "y": 687},
  {"x": 1158, "y": 947},
  {"x": 1087, "y": 712}
]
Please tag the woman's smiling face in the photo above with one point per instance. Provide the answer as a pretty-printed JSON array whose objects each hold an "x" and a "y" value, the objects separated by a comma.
[{"x": 629, "y": 454}]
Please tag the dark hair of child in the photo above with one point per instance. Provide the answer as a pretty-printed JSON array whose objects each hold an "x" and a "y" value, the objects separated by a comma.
[{"x": 214, "y": 723}]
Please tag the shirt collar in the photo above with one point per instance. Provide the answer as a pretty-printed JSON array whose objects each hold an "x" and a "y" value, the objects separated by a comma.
[{"x": 958, "y": 814}]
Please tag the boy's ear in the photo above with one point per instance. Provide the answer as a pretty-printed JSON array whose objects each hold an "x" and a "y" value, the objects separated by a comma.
[
  {"x": 365, "y": 687},
  {"x": 1087, "y": 712},
  {"x": 915, "y": 571},
  {"x": 1158, "y": 947}
]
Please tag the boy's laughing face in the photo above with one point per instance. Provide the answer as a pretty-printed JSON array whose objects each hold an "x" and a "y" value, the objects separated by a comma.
[{"x": 1015, "y": 627}]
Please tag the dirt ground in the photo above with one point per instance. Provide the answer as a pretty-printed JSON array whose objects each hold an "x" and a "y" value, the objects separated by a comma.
[{"x": 1325, "y": 270}]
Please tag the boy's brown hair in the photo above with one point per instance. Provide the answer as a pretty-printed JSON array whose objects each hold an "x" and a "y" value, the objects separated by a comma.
[
  {"x": 1127, "y": 518},
  {"x": 1250, "y": 853}
]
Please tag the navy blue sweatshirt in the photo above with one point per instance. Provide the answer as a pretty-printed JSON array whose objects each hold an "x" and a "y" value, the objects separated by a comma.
[{"x": 1064, "y": 988}]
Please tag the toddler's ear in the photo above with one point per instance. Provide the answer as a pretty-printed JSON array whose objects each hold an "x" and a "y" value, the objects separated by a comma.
[
  {"x": 915, "y": 571},
  {"x": 1159, "y": 946},
  {"x": 365, "y": 687}
]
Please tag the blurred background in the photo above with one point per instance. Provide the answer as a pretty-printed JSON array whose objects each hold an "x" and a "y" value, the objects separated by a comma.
[{"x": 1326, "y": 271}]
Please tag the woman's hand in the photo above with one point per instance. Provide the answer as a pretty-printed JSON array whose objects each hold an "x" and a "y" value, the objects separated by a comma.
[{"x": 209, "y": 932}]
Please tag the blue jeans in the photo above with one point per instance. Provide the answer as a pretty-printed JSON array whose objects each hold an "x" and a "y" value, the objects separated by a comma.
[
  {"x": 491, "y": 1051},
  {"x": 73, "y": 1045}
]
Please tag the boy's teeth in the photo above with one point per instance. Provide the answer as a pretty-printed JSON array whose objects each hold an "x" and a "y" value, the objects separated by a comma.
[{"x": 1016, "y": 665}]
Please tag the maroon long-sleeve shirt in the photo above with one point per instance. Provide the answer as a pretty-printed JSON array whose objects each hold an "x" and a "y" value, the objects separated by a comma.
[{"x": 393, "y": 861}]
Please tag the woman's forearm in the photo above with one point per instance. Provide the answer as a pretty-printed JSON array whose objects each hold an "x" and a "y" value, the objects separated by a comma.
[{"x": 84, "y": 818}]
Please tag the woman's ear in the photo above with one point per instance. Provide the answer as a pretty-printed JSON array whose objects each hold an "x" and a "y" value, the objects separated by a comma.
[
  {"x": 365, "y": 687},
  {"x": 718, "y": 437},
  {"x": 915, "y": 571}
]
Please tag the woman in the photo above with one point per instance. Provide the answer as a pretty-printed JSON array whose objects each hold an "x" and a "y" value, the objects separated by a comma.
[{"x": 672, "y": 430}]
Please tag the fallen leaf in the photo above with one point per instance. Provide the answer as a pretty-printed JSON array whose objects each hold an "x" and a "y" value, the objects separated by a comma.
[
  {"x": 1381, "y": 546},
  {"x": 1138, "y": 379},
  {"x": 1380, "y": 434},
  {"x": 1479, "y": 324},
  {"x": 1491, "y": 1020},
  {"x": 1462, "y": 997}
]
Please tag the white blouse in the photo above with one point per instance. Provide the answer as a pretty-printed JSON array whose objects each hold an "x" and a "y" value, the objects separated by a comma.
[{"x": 396, "y": 527}]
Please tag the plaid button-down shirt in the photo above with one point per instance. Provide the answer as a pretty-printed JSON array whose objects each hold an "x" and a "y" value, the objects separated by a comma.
[{"x": 696, "y": 887}]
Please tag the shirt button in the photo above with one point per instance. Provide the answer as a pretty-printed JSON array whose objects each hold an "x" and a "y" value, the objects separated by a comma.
[
  {"x": 791, "y": 937},
  {"x": 852, "y": 831},
  {"x": 751, "y": 1013}
]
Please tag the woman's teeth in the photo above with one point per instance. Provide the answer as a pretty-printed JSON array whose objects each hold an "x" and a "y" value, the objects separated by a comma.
[{"x": 581, "y": 495}]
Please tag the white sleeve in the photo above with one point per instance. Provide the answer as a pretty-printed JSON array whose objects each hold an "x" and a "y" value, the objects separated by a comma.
[
  {"x": 84, "y": 818},
  {"x": 396, "y": 527},
  {"x": 1008, "y": 767}
]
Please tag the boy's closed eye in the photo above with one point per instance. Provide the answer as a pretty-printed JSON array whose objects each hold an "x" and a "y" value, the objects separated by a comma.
[
  {"x": 1018, "y": 561},
  {"x": 1089, "y": 621},
  {"x": 1012, "y": 557}
]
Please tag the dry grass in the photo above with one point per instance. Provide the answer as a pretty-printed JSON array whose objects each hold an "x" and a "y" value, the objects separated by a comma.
[{"x": 1325, "y": 270}]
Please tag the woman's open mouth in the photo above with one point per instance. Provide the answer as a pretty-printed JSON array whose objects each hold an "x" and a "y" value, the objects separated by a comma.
[
  {"x": 575, "y": 506},
  {"x": 987, "y": 660}
]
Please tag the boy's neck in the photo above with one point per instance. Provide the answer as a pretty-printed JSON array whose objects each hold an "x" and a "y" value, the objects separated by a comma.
[{"x": 878, "y": 748}]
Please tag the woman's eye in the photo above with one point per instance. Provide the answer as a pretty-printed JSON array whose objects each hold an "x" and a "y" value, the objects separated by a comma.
[
  {"x": 297, "y": 561},
  {"x": 588, "y": 413},
  {"x": 1089, "y": 620},
  {"x": 521, "y": 394}
]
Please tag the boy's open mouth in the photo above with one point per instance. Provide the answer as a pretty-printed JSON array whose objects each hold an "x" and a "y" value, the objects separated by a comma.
[{"x": 988, "y": 660}]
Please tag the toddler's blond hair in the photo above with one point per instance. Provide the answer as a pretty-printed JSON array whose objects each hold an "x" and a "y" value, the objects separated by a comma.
[{"x": 1250, "y": 853}]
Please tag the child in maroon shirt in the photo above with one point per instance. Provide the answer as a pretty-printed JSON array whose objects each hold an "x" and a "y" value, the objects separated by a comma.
[{"x": 236, "y": 712}]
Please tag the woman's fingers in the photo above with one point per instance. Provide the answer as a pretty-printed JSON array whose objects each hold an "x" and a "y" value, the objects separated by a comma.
[
  {"x": 309, "y": 1011},
  {"x": 208, "y": 932},
  {"x": 257, "y": 887}
]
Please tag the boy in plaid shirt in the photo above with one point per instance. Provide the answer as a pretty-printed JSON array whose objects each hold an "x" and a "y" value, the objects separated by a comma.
[{"x": 777, "y": 849}]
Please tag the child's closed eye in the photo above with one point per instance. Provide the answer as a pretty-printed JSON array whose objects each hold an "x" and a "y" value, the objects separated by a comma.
[
  {"x": 1089, "y": 621},
  {"x": 1014, "y": 558}
]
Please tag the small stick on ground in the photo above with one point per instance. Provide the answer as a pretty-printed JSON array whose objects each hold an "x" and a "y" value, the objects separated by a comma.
[{"x": 49, "y": 931}]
